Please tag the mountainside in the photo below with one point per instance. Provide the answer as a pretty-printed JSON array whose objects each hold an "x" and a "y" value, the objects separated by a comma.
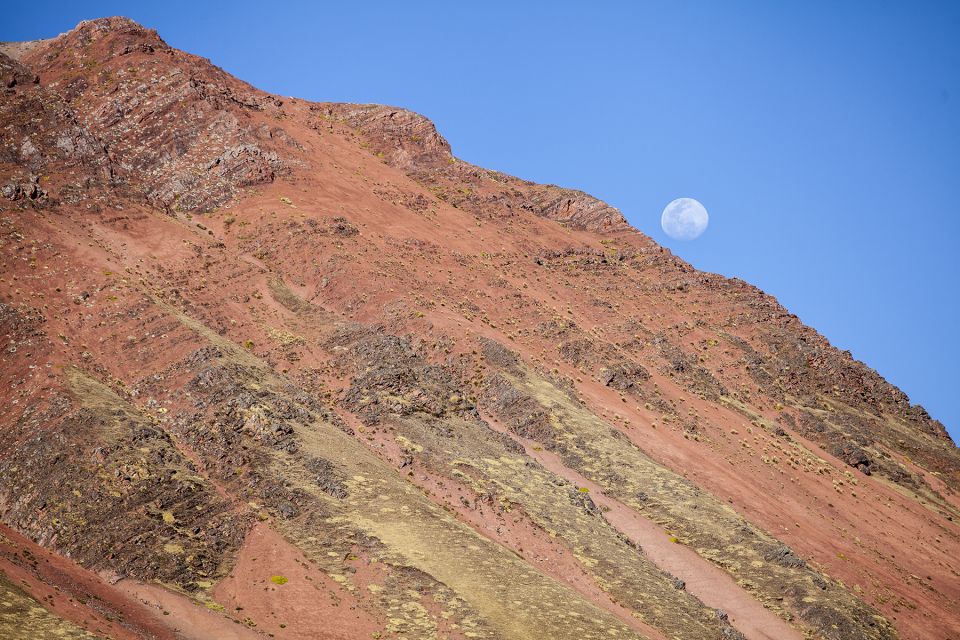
[{"x": 274, "y": 368}]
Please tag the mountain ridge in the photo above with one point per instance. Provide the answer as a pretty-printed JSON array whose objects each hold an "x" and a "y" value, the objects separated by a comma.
[{"x": 226, "y": 310}]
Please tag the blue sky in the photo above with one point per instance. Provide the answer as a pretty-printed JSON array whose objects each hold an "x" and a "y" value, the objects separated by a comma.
[{"x": 823, "y": 137}]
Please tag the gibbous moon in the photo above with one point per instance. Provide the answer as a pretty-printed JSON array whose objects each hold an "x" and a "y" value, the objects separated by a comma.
[{"x": 684, "y": 219}]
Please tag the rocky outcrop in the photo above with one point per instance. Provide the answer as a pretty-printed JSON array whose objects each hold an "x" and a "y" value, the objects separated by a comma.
[
  {"x": 163, "y": 125},
  {"x": 29, "y": 189},
  {"x": 411, "y": 143},
  {"x": 405, "y": 139}
]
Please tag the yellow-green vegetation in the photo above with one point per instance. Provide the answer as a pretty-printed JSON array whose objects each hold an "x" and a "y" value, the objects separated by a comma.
[
  {"x": 479, "y": 459},
  {"x": 800, "y": 458},
  {"x": 291, "y": 301},
  {"x": 483, "y": 589},
  {"x": 471, "y": 574},
  {"x": 716, "y": 532},
  {"x": 285, "y": 338},
  {"x": 23, "y": 618},
  {"x": 279, "y": 579}
]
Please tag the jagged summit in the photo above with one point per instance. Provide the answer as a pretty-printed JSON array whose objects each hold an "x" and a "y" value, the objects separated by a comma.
[
  {"x": 298, "y": 364},
  {"x": 199, "y": 163},
  {"x": 410, "y": 142}
]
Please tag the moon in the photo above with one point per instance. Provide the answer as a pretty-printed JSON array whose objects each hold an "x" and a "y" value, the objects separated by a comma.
[{"x": 684, "y": 219}]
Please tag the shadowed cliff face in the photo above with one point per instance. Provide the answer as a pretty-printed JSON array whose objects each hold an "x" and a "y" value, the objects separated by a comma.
[{"x": 298, "y": 364}]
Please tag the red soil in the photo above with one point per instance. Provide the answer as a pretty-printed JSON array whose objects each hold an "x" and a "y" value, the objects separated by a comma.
[
  {"x": 309, "y": 605},
  {"x": 75, "y": 593},
  {"x": 707, "y": 582}
]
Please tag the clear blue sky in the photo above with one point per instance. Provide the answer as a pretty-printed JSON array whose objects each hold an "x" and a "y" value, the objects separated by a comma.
[{"x": 823, "y": 137}]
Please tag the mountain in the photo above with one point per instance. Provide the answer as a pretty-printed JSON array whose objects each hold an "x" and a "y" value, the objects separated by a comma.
[{"x": 274, "y": 368}]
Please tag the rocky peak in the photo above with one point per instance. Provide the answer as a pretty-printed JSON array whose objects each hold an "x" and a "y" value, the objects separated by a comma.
[
  {"x": 410, "y": 142},
  {"x": 197, "y": 160},
  {"x": 120, "y": 35},
  {"x": 407, "y": 140},
  {"x": 175, "y": 129}
]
